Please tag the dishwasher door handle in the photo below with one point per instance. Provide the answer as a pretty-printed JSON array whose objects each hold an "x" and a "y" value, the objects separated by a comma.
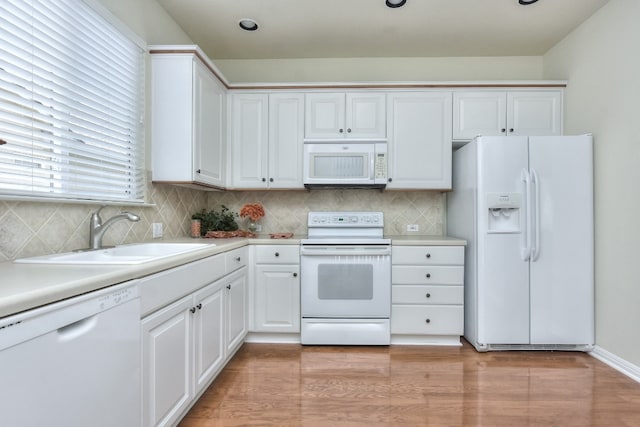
[{"x": 77, "y": 329}]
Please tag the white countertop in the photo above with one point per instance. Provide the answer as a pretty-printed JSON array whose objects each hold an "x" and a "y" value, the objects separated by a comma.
[{"x": 26, "y": 286}]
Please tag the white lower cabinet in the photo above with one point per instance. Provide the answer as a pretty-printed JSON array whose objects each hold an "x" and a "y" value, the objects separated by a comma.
[
  {"x": 182, "y": 351},
  {"x": 276, "y": 289},
  {"x": 427, "y": 294},
  {"x": 236, "y": 309},
  {"x": 188, "y": 340}
]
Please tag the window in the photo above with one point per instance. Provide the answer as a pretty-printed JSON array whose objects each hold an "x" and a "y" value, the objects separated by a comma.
[{"x": 71, "y": 104}]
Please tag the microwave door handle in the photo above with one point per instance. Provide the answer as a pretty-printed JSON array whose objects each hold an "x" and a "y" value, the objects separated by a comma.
[{"x": 372, "y": 166}]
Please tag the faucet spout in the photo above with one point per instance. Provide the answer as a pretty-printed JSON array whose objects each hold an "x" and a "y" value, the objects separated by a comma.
[{"x": 98, "y": 228}]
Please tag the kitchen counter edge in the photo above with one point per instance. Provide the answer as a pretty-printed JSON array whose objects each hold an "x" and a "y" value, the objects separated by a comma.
[{"x": 27, "y": 286}]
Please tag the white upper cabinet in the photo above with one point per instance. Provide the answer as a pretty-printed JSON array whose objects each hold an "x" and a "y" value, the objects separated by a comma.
[
  {"x": 492, "y": 113},
  {"x": 534, "y": 113},
  {"x": 267, "y": 140},
  {"x": 419, "y": 140},
  {"x": 286, "y": 136},
  {"x": 188, "y": 122},
  {"x": 354, "y": 115},
  {"x": 249, "y": 140}
]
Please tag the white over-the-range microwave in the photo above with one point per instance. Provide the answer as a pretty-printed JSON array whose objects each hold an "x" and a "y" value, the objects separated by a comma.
[{"x": 345, "y": 164}]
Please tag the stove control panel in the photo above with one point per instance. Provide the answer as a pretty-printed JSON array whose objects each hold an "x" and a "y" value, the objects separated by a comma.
[{"x": 346, "y": 219}]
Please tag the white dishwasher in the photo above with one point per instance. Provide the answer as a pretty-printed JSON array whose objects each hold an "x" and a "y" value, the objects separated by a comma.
[{"x": 73, "y": 363}]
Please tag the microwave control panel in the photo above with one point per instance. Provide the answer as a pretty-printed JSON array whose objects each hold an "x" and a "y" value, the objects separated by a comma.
[{"x": 381, "y": 166}]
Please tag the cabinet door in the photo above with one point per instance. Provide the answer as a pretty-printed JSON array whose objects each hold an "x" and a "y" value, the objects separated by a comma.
[
  {"x": 249, "y": 140},
  {"x": 534, "y": 113},
  {"x": 365, "y": 115},
  {"x": 208, "y": 124},
  {"x": 419, "y": 140},
  {"x": 171, "y": 117},
  {"x": 277, "y": 298},
  {"x": 479, "y": 113},
  {"x": 236, "y": 308},
  {"x": 166, "y": 363},
  {"x": 324, "y": 116},
  {"x": 286, "y": 136},
  {"x": 208, "y": 333}
]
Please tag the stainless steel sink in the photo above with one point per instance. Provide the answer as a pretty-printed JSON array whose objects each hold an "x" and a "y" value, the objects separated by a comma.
[{"x": 126, "y": 254}]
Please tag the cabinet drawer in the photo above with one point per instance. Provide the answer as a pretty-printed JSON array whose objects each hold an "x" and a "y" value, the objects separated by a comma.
[
  {"x": 237, "y": 258},
  {"x": 277, "y": 254},
  {"x": 428, "y": 255},
  {"x": 427, "y": 320},
  {"x": 167, "y": 286},
  {"x": 422, "y": 294},
  {"x": 427, "y": 275}
]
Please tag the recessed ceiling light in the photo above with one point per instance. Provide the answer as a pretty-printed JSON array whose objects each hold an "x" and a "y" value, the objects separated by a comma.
[
  {"x": 526, "y": 2},
  {"x": 395, "y": 3},
  {"x": 248, "y": 24}
]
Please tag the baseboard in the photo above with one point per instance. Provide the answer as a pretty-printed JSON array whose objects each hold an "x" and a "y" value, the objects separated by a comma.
[
  {"x": 272, "y": 337},
  {"x": 617, "y": 363}
]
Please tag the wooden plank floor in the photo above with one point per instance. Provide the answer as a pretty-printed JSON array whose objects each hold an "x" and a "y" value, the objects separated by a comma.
[{"x": 293, "y": 385}]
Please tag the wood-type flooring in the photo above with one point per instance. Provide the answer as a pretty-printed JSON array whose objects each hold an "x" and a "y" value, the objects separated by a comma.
[{"x": 294, "y": 385}]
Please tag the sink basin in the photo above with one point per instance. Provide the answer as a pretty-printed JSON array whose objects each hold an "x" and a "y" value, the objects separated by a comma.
[{"x": 125, "y": 254}]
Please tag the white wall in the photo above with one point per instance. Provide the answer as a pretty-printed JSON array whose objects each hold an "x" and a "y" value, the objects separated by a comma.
[
  {"x": 148, "y": 20},
  {"x": 381, "y": 69},
  {"x": 601, "y": 60}
]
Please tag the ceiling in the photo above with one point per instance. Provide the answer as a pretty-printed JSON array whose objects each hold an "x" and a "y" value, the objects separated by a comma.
[{"x": 367, "y": 28}]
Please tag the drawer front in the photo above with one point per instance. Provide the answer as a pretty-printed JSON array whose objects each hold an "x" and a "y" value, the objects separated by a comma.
[
  {"x": 277, "y": 254},
  {"x": 427, "y": 320},
  {"x": 427, "y": 275},
  {"x": 167, "y": 286},
  {"x": 428, "y": 255},
  {"x": 423, "y": 294},
  {"x": 237, "y": 258}
]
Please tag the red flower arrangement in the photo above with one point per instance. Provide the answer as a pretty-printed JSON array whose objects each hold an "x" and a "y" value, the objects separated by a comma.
[{"x": 254, "y": 211}]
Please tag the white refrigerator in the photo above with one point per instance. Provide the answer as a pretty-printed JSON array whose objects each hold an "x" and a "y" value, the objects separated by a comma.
[{"x": 525, "y": 207}]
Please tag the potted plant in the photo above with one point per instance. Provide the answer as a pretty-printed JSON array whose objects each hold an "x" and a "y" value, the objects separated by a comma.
[
  {"x": 252, "y": 211},
  {"x": 216, "y": 220}
]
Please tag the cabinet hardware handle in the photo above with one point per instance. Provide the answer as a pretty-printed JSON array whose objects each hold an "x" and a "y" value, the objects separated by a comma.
[
  {"x": 270, "y": 179},
  {"x": 277, "y": 254},
  {"x": 349, "y": 130},
  {"x": 192, "y": 310},
  {"x": 503, "y": 130},
  {"x": 264, "y": 179},
  {"x": 511, "y": 130},
  {"x": 229, "y": 287},
  {"x": 295, "y": 274},
  {"x": 199, "y": 306},
  {"x": 237, "y": 259},
  {"x": 390, "y": 179},
  {"x": 428, "y": 275},
  {"x": 428, "y": 255},
  {"x": 341, "y": 131},
  {"x": 428, "y": 320},
  {"x": 428, "y": 295}
]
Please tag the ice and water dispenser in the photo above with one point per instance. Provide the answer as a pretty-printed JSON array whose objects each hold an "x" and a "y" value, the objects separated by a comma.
[{"x": 504, "y": 212}]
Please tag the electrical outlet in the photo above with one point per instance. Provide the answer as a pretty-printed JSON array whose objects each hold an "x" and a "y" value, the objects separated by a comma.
[
  {"x": 413, "y": 227},
  {"x": 156, "y": 230},
  {"x": 258, "y": 227}
]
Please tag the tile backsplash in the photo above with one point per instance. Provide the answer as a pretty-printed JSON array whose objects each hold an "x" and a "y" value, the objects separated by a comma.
[
  {"x": 38, "y": 228},
  {"x": 286, "y": 211}
]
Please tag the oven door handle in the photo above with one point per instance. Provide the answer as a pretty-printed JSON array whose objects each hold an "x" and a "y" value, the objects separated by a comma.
[{"x": 346, "y": 250}]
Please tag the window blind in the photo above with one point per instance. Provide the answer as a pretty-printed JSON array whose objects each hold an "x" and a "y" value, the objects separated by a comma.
[{"x": 71, "y": 104}]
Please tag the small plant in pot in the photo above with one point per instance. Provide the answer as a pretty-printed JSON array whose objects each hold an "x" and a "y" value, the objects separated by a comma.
[{"x": 216, "y": 220}]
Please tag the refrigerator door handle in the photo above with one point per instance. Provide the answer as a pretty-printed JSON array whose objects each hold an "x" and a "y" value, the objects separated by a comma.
[
  {"x": 525, "y": 251},
  {"x": 535, "y": 247}
]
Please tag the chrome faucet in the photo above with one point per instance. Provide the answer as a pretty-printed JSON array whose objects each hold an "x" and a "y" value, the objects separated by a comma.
[{"x": 97, "y": 228}]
